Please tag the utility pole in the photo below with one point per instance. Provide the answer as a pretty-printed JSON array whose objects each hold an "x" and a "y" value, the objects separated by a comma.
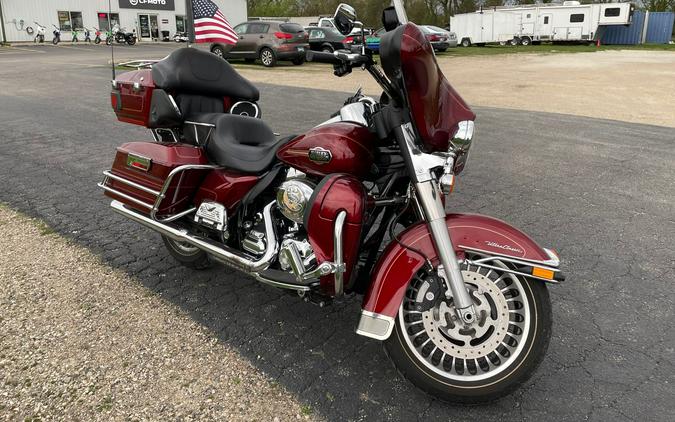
[
  {"x": 190, "y": 22},
  {"x": 3, "y": 38}
]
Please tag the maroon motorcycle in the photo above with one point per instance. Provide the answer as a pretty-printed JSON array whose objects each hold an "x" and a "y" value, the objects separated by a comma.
[{"x": 459, "y": 300}]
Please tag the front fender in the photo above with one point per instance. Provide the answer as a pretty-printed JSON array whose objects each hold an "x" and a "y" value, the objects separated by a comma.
[{"x": 398, "y": 263}]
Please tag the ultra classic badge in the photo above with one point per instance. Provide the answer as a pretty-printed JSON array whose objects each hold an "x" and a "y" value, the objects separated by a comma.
[{"x": 319, "y": 155}]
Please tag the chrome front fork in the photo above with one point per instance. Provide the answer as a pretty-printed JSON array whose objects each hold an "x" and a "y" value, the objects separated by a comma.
[{"x": 429, "y": 197}]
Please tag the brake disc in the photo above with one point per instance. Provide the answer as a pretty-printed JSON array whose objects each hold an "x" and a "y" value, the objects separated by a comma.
[{"x": 473, "y": 340}]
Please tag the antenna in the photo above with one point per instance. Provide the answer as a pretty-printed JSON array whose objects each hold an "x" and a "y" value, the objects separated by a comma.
[{"x": 110, "y": 34}]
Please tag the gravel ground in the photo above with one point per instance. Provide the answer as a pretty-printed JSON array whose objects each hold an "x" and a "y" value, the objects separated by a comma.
[
  {"x": 81, "y": 341},
  {"x": 626, "y": 85}
]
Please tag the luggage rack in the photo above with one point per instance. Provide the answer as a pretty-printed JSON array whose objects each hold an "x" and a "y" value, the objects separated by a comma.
[
  {"x": 159, "y": 195},
  {"x": 139, "y": 64}
]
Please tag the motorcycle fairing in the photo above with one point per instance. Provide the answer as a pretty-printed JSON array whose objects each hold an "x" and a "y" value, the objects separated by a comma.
[
  {"x": 474, "y": 233},
  {"x": 334, "y": 194}
]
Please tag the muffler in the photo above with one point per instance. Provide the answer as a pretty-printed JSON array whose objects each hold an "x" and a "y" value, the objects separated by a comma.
[{"x": 226, "y": 255}]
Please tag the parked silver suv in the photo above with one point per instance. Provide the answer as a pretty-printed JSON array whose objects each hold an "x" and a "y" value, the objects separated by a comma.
[{"x": 268, "y": 41}]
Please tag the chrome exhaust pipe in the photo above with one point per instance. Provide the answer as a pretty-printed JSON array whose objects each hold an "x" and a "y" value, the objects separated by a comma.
[{"x": 226, "y": 255}]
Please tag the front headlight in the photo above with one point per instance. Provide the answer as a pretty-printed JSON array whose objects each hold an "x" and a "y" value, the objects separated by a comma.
[{"x": 461, "y": 144}]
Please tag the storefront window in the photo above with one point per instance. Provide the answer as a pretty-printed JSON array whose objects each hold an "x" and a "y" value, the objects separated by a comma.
[
  {"x": 64, "y": 21},
  {"x": 70, "y": 20},
  {"x": 103, "y": 20},
  {"x": 180, "y": 23}
]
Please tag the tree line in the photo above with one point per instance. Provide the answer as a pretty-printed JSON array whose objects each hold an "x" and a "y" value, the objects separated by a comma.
[{"x": 435, "y": 12}]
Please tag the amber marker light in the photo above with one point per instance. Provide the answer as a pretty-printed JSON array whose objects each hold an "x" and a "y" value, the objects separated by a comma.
[{"x": 543, "y": 273}]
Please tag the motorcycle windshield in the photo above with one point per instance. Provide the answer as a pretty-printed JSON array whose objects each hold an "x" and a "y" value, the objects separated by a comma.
[{"x": 436, "y": 109}]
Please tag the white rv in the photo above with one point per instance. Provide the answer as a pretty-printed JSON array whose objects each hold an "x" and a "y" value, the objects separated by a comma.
[{"x": 569, "y": 21}]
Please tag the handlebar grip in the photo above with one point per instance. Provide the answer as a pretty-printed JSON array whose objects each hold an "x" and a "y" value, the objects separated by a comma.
[{"x": 321, "y": 57}]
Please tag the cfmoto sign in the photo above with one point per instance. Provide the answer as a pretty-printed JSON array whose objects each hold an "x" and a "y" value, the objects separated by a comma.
[{"x": 147, "y": 4}]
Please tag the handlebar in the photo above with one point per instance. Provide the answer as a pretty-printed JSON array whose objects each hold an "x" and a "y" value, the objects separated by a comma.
[{"x": 338, "y": 58}]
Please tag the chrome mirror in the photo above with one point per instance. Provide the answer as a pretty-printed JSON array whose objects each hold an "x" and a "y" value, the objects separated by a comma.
[{"x": 345, "y": 18}]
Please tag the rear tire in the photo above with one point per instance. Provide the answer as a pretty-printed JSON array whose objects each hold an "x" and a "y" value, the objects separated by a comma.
[
  {"x": 525, "y": 41},
  {"x": 327, "y": 49},
  {"x": 514, "y": 42},
  {"x": 267, "y": 57},
  {"x": 466, "y": 42},
  {"x": 218, "y": 51},
  {"x": 504, "y": 351},
  {"x": 131, "y": 41},
  {"x": 188, "y": 255}
]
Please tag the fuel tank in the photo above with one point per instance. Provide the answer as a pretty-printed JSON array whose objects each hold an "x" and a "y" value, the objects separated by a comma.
[{"x": 340, "y": 147}]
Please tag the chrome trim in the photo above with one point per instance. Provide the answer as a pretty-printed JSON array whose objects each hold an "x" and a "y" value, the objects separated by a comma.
[
  {"x": 481, "y": 263},
  {"x": 551, "y": 262},
  {"x": 124, "y": 195},
  {"x": 462, "y": 139},
  {"x": 130, "y": 183},
  {"x": 430, "y": 198},
  {"x": 325, "y": 268},
  {"x": 422, "y": 162},
  {"x": 257, "y": 109},
  {"x": 338, "y": 253},
  {"x": 282, "y": 285},
  {"x": 376, "y": 326},
  {"x": 221, "y": 253},
  {"x": 353, "y": 112},
  {"x": 165, "y": 187},
  {"x": 208, "y": 134},
  {"x": 175, "y": 106}
]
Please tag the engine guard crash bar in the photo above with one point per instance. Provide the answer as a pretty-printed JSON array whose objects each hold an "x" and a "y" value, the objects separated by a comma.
[{"x": 159, "y": 195}]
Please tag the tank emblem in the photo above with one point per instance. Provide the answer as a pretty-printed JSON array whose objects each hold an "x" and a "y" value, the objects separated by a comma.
[{"x": 320, "y": 155}]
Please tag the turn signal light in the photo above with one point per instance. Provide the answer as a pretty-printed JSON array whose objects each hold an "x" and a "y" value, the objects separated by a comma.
[{"x": 543, "y": 273}]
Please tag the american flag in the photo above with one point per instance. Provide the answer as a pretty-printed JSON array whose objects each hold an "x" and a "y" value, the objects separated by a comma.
[{"x": 210, "y": 24}]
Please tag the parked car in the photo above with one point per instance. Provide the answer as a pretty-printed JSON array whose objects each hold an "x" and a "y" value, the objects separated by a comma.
[
  {"x": 373, "y": 40},
  {"x": 440, "y": 39},
  {"x": 327, "y": 39},
  {"x": 269, "y": 41}
]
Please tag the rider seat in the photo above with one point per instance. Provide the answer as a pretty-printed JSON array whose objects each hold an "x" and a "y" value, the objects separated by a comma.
[{"x": 236, "y": 142}]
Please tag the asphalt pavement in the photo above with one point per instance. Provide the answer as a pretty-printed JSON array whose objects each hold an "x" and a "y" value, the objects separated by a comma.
[{"x": 598, "y": 191}]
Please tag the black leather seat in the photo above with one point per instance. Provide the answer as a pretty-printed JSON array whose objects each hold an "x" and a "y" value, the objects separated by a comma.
[
  {"x": 239, "y": 142},
  {"x": 197, "y": 72}
]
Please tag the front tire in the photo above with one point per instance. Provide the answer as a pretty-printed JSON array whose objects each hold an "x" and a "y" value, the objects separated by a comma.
[
  {"x": 485, "y": 362},
  {"x": 187, "y": 255}
]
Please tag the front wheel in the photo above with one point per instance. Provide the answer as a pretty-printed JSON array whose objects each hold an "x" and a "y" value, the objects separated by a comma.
[{"x": 484, "y": 361}]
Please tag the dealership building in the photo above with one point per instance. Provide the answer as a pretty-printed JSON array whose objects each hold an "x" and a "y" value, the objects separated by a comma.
[{"x": 150, "y": 18}]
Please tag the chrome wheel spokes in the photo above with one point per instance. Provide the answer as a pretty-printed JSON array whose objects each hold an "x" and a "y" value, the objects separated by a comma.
[{"x": 467, "y": 352}]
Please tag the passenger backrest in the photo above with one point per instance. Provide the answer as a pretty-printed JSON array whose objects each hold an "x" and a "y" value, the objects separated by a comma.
[{"x": 191, "y": 105}]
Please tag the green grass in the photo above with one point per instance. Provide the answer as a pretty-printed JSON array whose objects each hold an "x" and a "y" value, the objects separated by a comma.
[{"x": 548, "y": 49}]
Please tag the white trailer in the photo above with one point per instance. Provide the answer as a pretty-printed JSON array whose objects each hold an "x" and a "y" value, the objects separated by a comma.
[{"x": 569, "y": 21}]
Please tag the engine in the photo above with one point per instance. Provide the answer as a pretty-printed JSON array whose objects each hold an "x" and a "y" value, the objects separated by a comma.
[{"x": 293, "y": 198}]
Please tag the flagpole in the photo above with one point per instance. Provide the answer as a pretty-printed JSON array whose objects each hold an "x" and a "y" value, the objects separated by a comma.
[{"x": 190, "y": 21}]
